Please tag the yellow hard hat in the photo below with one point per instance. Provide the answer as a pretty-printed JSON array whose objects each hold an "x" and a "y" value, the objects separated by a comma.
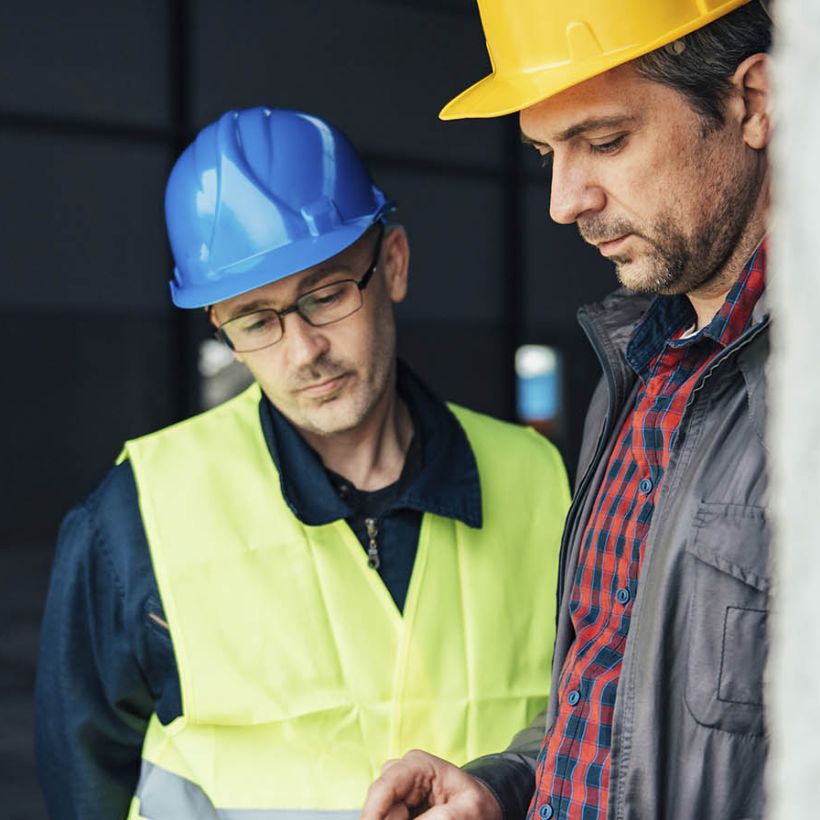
[{"x": 540, "y": 47}]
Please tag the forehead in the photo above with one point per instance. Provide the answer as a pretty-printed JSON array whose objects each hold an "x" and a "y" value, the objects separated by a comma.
[{"x": 619, "y": 93}]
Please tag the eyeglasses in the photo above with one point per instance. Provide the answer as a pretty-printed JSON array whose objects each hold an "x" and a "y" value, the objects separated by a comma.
[{"x": 318, "y": 307}]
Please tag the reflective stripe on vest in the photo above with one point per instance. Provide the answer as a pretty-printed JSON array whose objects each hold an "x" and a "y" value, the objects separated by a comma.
[
  {"x": 299, "y": 677},
  {"x": 164, "y": 795}
]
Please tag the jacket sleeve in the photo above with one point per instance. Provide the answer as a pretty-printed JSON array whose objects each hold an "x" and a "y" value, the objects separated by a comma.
[
  {"x": 510, "y": 775},
  {"x": 92, "y": 699}
]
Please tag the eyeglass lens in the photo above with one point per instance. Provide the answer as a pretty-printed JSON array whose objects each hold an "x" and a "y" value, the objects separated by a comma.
[{"x": 323, "y": 306}]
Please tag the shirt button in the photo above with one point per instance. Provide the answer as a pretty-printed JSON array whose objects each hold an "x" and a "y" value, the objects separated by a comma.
[
  {"x": 573, "y": 697},
  {"x": 646, "y": 486},
  {"x": 545, "y": 812},
  {"x": 623, "y": 596}
]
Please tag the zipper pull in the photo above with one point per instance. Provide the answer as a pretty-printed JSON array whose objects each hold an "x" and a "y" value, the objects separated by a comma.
[{"x": 372, "y": 547}]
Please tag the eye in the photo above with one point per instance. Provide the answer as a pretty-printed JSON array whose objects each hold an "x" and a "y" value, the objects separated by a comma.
[
  {"x": 326, "y": 298},
  {"x": 323, "y": 298},
  {"x": 608, "y": 147},
  {"x": 546, "y": 160},
  {"x": 255, "y": 322}
]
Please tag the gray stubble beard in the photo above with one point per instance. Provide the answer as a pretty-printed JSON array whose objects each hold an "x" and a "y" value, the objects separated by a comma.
[{"x": 682, "y": 264}]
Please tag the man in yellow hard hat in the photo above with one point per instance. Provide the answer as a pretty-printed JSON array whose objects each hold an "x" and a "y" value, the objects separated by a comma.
[
  {"x": 655, "y": 119},
  {"x": 260, "y": 604}
]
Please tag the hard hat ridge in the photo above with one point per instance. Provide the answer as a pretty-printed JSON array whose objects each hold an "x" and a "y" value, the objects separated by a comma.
[
  {"x": 262, "y": 194},
  {"x": 539, "y": 48}
]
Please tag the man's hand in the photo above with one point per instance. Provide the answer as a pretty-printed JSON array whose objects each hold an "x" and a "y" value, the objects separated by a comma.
[{"x": 422, "y": 785}]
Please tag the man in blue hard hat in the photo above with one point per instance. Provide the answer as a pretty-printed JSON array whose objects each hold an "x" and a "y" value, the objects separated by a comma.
[{"x": 259, "y": 605}]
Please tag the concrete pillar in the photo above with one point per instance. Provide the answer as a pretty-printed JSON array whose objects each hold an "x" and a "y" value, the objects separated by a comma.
[{"x": 793, "y": 777}]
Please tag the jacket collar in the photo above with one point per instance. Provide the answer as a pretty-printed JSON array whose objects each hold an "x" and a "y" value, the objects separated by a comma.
[
  {"x": 668, "y": 316},
  {"x": 447, "y": 484},
  {"x": 612, "y": 323}
]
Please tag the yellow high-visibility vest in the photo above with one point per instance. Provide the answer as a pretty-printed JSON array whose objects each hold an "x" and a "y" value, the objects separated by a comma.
[{"x": 299, "y": 676}]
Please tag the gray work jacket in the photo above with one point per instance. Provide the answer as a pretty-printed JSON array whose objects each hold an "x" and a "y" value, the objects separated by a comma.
[{"x": 689, "y": 736}]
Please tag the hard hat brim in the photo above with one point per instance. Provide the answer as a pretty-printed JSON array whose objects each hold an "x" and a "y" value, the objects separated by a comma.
[
  {"x": 496, "y": 96},
  {"x": 499, "y": 94},
  {"x": 273, "y": 266}
]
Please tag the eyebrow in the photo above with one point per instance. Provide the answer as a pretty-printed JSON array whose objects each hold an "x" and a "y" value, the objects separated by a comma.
[
  {"x": 591, "y": 124},
  {"x": 308, "y": 283},
  {"x": 246, "y": 307},
  {"x": 320, "y": 274}
]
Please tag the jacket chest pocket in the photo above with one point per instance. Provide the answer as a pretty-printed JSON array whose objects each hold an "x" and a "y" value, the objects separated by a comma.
[{"x": 728, "y": 618}]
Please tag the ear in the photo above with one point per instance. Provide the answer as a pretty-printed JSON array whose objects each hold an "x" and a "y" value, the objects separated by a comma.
[
  {"x": 752, "y": 81},
  {"x": 396, "y": 262}
]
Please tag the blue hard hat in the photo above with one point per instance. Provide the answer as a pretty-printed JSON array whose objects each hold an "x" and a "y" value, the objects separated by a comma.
[{"x": 259, "y": 195}]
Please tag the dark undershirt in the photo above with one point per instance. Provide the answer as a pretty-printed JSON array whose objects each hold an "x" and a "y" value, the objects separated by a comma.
[{"x": 372, "y": 503}]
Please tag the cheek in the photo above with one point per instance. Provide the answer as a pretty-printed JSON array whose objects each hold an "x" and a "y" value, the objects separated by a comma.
[
  {"x": 353, "y": 342},
  {"x": 635, "y": 187},
  {"x": 267, "y": 370},
  {"x": 375, "y": 325},
  {"x": 655, "y": 173},
  {"x": 659, "y": 191},
  {"x": 701, "y": 185}
]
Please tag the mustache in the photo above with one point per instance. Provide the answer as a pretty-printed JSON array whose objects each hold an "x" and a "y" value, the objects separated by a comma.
[
  {"x": 596, "y": 230},
  {"x": 322, "y": 370}
]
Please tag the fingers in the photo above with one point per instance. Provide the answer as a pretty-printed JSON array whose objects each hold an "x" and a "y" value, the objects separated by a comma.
[
  {"x": 404, "y": 785},
  {"x": 387, "y": 798},
  {"x": 426, "y": 787}
]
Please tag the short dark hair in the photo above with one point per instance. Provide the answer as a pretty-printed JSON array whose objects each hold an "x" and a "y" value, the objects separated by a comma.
[{"x": 701, "y": 64}]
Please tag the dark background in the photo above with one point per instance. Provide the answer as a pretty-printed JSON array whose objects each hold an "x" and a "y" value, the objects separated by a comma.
[{"x": 97, "y": 99}]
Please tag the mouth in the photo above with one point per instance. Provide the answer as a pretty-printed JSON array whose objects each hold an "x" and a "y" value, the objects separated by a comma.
[
  {"x": 612, "y": 247},
  {"x": 324, "y": 388}
]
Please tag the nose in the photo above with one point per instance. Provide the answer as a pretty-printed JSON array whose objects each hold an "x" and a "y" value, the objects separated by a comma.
[
  {"x": 574, "y": 191},
  {"x": 305, "y": 343}
]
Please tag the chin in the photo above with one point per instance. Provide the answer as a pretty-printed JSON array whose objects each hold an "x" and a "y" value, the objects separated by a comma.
[
  {"x": 331, "y": 418},
  {"x": 632, "y": 275},
  {"x": 641, "y": 277}
]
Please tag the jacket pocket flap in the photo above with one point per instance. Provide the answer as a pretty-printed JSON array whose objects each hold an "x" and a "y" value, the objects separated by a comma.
[{"x": 733, "y": 539}]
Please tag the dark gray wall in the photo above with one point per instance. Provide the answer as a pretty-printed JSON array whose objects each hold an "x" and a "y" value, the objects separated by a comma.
[
  {"x": 97, "y": 99},
  {"x": 103, "y": 97}
]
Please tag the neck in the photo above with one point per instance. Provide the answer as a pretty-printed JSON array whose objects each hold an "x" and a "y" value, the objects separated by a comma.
[
  {"x": 708, "y": 299},
  {"x": 371, "y": 455}
]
